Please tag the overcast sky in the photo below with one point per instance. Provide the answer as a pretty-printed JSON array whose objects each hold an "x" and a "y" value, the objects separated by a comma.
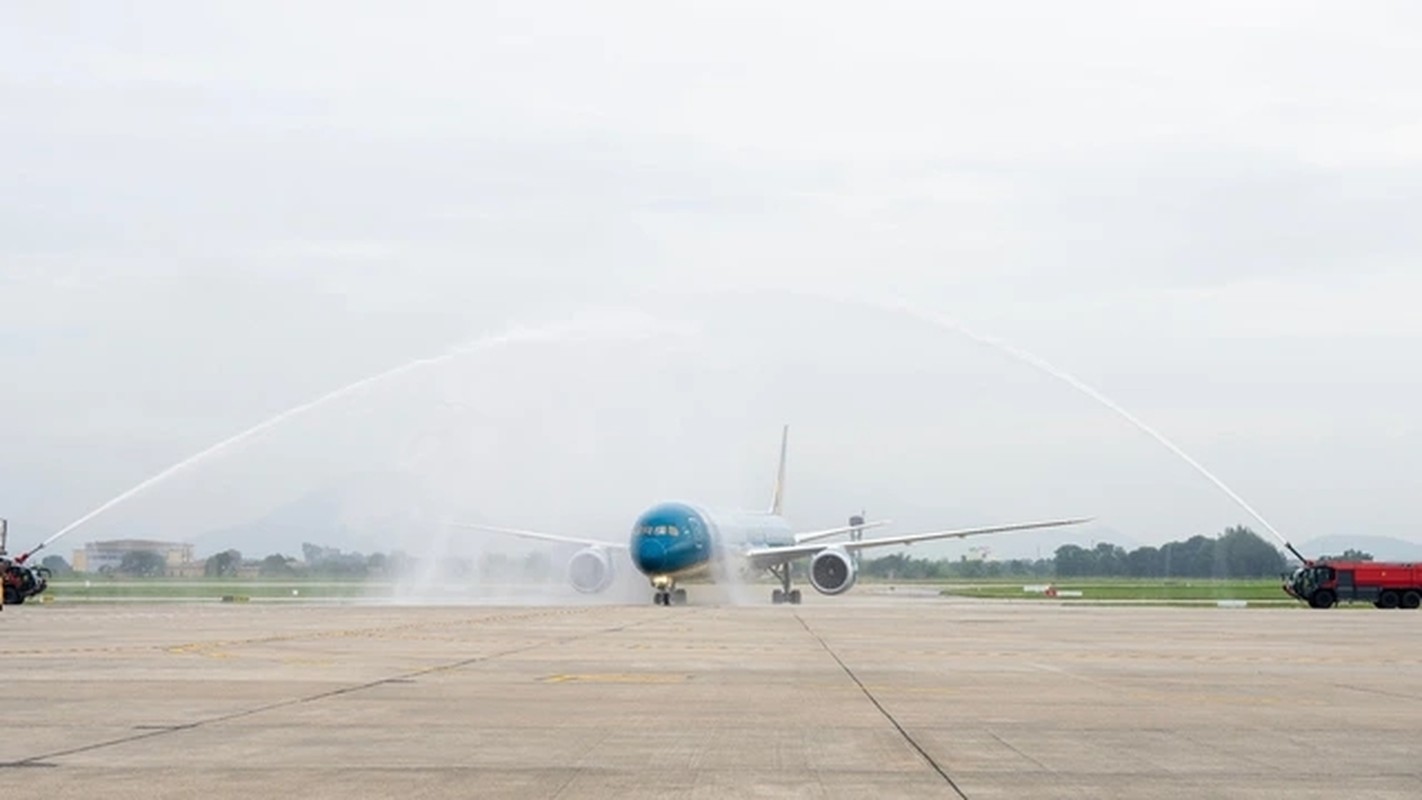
[{"x": 1208, "y": 211}]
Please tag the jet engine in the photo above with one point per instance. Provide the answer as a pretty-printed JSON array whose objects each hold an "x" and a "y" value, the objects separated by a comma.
[
  {"x": 590, "y": 570},
  {"x": 832, "y": 571}
]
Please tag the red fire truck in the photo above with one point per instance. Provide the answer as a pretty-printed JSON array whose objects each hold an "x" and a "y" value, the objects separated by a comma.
[
  {"x": 1384, "y": 584},
  {"x": 18, "y": 582}
]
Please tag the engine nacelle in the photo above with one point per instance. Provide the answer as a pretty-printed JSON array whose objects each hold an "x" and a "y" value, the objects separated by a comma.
[
  {"x": 833, "y": 571},
  {"x": 590, "y": 570}
]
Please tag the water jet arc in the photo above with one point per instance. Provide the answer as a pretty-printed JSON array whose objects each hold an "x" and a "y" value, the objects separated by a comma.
[
  {"x": 593, "y": 326},
  {"x": 900, "y": 306}
]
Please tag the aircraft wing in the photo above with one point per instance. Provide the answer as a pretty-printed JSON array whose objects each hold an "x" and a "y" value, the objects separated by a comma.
[
  {"x": 770, "y": 556},
  {"x": 542, "y": 537},
  {"x": 810, "y": 536}
]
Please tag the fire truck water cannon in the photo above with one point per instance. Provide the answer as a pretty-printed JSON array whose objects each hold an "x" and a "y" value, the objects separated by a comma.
[
  {"x": 20, "y": 581},
  {"x": 1385, "y": 584}
]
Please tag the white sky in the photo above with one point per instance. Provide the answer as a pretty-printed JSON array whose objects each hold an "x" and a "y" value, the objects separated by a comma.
[{"x": 1208, "y": 211}]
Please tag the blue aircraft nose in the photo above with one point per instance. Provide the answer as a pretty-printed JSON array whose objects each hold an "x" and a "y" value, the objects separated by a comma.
[{"x": 651, "y": 555}]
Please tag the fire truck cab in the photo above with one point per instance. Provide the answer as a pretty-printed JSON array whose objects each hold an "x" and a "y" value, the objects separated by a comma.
[
  {"x": 18, "y": 581},
  {"x": 1384, "y": 584}
]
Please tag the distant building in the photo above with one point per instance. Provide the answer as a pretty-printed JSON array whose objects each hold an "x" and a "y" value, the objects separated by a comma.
[{"x": 97, "y": 556}]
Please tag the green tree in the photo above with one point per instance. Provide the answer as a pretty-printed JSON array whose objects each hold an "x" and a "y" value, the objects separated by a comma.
[
  {"x": 1144, "y": 562},
  {"x": 222, "y": 565},
  {"x": 1241, "y": 553},
  {"x": 1236, "y": 553},
  {"x": 1109, "y": 559},
  {"x": 1192, "y": 558},
  {"x": 890, "y": 566},
  {"x": 56, "y": 565},
  {"x": 1073, "y": 561},
  {"x": 276, "y": 566},
  {"x": 973, "y": 568},
  {"x": 143, "y": 564},
  {"x": 322, "y": 560}
]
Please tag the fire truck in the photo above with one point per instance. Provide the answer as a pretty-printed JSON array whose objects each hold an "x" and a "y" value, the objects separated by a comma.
[
  {"x": 19, "y": 581},
  {"x": 1384, "y": 584}
]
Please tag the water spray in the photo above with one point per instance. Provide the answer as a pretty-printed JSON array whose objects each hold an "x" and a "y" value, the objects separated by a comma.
[
  {"x": 898, "y": 305},
  {"x": 1075, "y": 383},
  {"x": 610, "y": 325}
]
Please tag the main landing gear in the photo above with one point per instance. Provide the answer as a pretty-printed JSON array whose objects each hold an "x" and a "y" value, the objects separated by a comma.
[{"x": 784, "y": 594}]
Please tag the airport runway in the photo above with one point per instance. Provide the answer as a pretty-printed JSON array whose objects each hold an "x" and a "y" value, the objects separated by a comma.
[{"x": 861, "y": 696}]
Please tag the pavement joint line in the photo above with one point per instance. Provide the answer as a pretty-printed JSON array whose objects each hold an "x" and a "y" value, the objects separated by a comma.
[
  {"x": 1014, "y": 748},
  {"x": 1398, "y": 695},
  {"x": 41, "y": 759},
  {"x": 942, "y": 773}
]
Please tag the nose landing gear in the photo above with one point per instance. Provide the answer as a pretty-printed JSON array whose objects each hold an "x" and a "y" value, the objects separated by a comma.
[
  {"x": 666, "y": 593},
  {"x": 674, "y": 597}
]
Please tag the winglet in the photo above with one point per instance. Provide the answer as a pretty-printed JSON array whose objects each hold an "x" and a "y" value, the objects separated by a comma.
[{"x": 777, "y": 502}]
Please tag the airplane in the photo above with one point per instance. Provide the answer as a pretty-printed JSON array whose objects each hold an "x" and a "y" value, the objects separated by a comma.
[{"x": 672, "y": 541}]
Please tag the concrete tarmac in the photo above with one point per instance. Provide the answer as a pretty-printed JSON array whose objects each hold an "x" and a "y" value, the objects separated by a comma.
[{"x": 858, "y": 696}]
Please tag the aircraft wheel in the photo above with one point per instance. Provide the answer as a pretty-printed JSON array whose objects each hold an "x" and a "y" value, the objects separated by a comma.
[
  {"x": 1412, "y": 599},
  {"x": 1388, "y": 599},
  {"x": 777, "y": 597},
  {"x": 794, "y": 597}
]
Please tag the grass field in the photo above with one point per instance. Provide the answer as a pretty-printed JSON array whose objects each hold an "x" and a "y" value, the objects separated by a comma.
[
  {"x": 1103, "y": 589},
  {"x": 1255, "y": 592},
  {"x": 215, "y": 590}
]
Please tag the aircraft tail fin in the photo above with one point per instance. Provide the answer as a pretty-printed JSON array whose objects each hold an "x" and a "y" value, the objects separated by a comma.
[{"x": 777, "y": 501}]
